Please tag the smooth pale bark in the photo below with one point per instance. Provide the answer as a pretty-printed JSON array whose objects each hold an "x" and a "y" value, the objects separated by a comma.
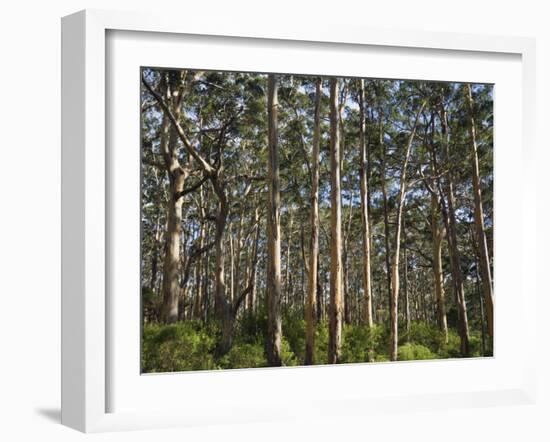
[
  {"x": 457, "y": 273},
  {"x": 335, "y": 310},
  {"x": 394, "y": 305},
  {"x": 237, "y": 256},
  {"x": 406, "y": 288},
  {"x": 274, "y": 332},
  {"x": 346, "y": 298},
  {"x": 485, "y": 265},
  {"x": 387, "y": 256},
  {"x": 206, "y": 283},
  {"x": 479, "y": 294},
  {"x": 223, "y": 306},
  {"x": 288, "y": 275},
  {"x": 437, "y": 267},
  {"x": 346, "y": 226},
  {"x": 171, "y": 264},
  {"x": 157, "y": 235},
  {"x": 482, "y": 314},
  {"x": 225, "y": 310},
  {"x": 365, "y": 221},
  {"x": 449, "y": 218},
  {"x": 231, "y": 241},
  {"x": 199, "y": 302},
  {"x": 383, "y": 153},
  {"x": 314, "y": 247},
  {"x": 252, "y": 265},
  {"x": 320, "y": 295},
  {"x": 169, "y": 102}
]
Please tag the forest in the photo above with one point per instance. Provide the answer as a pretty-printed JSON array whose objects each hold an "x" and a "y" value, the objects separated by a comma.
[{"x": 291, "y": 220}]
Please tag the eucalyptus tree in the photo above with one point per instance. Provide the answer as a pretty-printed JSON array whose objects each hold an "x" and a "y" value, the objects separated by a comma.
[
  {"x": 274, "y": 332},
  {"x": 335, "y": 315},
  {"x": 484, "y": 260}
]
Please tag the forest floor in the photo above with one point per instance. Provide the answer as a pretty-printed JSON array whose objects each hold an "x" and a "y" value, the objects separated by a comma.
[{"x": 191, "y": 344}]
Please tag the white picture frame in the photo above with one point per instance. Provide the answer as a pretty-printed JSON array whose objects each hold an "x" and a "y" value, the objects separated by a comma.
[{"x": 86, "y": 315}]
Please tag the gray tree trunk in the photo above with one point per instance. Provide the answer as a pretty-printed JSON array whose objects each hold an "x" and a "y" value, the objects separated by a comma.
[
  {"x": 397, "y": 244},
  {"x": 314, "y": 251},
  {"x": 274, "y": 332},
  {"x": 486, "y": 278},
  {"x": 335, "y": 314}
]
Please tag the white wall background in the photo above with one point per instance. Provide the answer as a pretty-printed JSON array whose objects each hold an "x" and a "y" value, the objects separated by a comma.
[{"x": 30, "y": 215}]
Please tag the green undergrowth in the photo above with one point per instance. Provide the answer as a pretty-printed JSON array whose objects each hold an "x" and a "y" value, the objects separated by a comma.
[{"x": 191, "y": 345}]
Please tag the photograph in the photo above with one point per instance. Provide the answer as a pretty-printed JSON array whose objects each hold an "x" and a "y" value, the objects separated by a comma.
[{"x": 304, "y": 219}]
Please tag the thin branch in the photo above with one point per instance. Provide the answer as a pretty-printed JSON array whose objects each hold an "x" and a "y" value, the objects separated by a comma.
[
  {"x": 207, "y": 168},
  {"x": 192, "y": 188}
]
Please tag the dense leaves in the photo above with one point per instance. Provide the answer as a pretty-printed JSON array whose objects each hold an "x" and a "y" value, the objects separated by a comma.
[{"x": 420, "y": 153}]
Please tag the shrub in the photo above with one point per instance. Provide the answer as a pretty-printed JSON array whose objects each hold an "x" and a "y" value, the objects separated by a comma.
[
  {"x": 451, "y": 349},
  {"x": 321, "y": 343},
  {"x": 414, "y": 352},
  {"x": 381, "y": 358},
  {"x": 151, "y": 304},
  {"x": 288, "y": 357},
  {"x": 476, "y": 345},
  {"x": 251, "y": 327},
  {"x": 359, "y": 341},
  {"x": 244, "y": 355},
  {"x": 177, "y": 347},
  {"x": 424, "y": 334},
  {"x": 294, "y": 331},
  {"x": 355, "y": 344},
  {"x": 252, "y": 355}
]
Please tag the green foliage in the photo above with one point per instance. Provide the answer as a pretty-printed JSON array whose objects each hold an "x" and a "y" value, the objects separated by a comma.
[
  {"x": 294, "y": 331},
  {"x": 288, "y": 358},
  {"x": 190, "y": 345},
  {"x": 414, "y": 352},
  {"x": 244, "y": 355},
  {"x": 360, "y": 342},
  {"x": 451, "y": 349},
  {"x": 321, "y": 343},
  {"x": 381, "y": 358},
  {"x": 224, "y": 114},
  {"x": 252, "y": 327},
  {"x": 177, "y": 347},
  {"x": 427, "y": 335}
]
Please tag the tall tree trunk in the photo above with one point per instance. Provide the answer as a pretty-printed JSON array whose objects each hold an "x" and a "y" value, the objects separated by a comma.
[
  {"x": 397, "y": 244},
  {"x": 314, "y": 251},
  {"x": 479, "y": 294},
  {"x": 335, "y": 315},
  {"x": 171, "y": 265},
  {"x": 274, "y": 332},
  {"x": 253, "y": 261},
  {"x": 169, "y": 101},
  {"x": 225, "y": 310},
  {"x": 406, "y": 288},
  {"x": 206, "y": 283},
  {"x": 231, "y": 241},
  {"x": 288, "y": 275},
  {"x": 486, "y": 279},
  {"x": 156, "y": 239},
  {"x": 481, "y": 314},
  {"x": 387, "y": 239},
  {"x": 320, "y": 294},
  {"x": 437, "y": 267},
  {"x": 457, "y": 273},
  {"x": 223, "y": 305},
  {"x": 365, "y": 221},
  {"x": 198, "y": 304},
  {"x": 449, "y": 218}
]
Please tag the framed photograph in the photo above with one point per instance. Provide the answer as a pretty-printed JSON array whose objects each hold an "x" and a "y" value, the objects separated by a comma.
[{"x": 291, "y": 223}]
